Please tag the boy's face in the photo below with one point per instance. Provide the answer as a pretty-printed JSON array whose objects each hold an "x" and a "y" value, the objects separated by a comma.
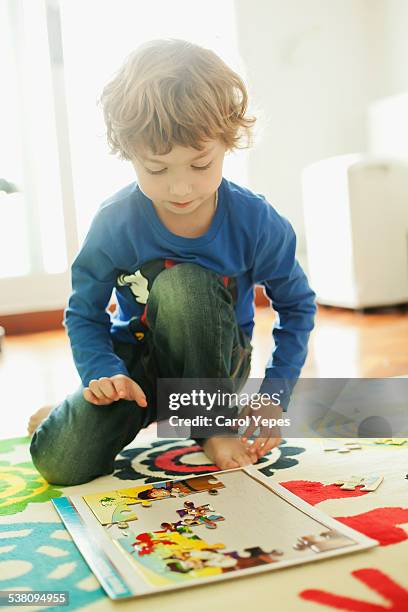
[{"x": 181, "y": 181}]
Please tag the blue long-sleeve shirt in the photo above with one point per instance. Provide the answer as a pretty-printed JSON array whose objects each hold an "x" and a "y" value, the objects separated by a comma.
[{"x": 247, "y": 239}]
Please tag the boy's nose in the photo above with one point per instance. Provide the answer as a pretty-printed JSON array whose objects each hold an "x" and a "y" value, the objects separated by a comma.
[{"x": 180, "y": 189}]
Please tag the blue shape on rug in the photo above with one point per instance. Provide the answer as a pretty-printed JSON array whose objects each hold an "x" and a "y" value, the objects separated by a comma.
[{"x": 34, "y": 555}]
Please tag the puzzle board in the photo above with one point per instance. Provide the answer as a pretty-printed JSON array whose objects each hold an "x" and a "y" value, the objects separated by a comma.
[{"x": 169, "y": 535}]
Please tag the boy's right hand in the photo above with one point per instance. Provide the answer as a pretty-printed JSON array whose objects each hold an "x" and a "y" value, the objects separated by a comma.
[{"x": 103, "y": 391}]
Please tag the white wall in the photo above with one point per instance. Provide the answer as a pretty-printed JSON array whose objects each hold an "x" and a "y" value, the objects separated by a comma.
[
  {"x": 313, "y": 67},
  {"x": 395, "y": 19},
  {"x": 388, "y": 116}
]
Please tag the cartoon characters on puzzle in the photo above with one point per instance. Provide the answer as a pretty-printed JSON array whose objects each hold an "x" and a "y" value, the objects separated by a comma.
[
  {"x": 119, "y": 505},
  {"x": 179, "y": 554},
  {"x": 199, "y": 515}
]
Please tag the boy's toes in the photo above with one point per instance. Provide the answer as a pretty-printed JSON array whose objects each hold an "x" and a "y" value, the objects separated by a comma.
[
  {"x": 37, "y": 418},
  {"x": 229, "y": 464},
  {"x": 243, "y": 459},
  {"x": 226, "y": 462}
]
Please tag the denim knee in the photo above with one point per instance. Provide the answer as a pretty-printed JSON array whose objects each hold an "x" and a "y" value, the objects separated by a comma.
[
  {"x": 55, "y": 474},
  {"x": 187, "y": 287},
  {"x": 61, "y": 447},
  {"x": 57, "y": 469}
]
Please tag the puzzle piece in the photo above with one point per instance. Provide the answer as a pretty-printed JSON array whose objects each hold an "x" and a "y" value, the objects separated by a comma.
[
  {"x": 199, "y": 484},
  {"x": 253, "y": 556},
  {"x": 192, "y": 515},
  {"x": 391, "y": 441},
  {"x": 349, "y": 484},
  {"x": 327, "y": 540},
  {"x": 371, "y": 483},
  {"x": 348, "y": 447}
]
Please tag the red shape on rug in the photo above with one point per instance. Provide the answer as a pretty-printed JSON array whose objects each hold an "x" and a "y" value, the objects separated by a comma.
[
  {"x": 393, "y": 593},
  {"x": 315, "y": 492},
  {"x": 380, "y": 524},
  {"x": 167, "y": 461}
]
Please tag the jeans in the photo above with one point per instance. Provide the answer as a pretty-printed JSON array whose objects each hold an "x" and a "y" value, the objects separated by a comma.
[{"x": 192, "y": 332}]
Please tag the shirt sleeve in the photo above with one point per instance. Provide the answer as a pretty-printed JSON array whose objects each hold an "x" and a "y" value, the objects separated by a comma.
[
  {"x": 86, "y": 318},
  {"x": 276, "y": 268}
]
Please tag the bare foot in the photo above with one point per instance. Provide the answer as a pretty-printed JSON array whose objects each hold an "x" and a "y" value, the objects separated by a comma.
[
  {"x": 37, "y": 418},
  {"x": 228, "y": 453}
]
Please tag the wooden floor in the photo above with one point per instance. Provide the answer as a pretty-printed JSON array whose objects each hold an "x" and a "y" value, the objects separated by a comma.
[{"x": 37, "y": 368}]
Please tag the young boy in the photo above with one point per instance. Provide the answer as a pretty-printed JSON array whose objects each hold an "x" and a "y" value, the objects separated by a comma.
[{"x": 182, "y": 248}]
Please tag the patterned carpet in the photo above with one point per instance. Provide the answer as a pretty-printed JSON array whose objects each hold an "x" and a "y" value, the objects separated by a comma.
[{"x": 36, "y": 553}]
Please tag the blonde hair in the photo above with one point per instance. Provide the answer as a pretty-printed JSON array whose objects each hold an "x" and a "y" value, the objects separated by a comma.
[{"x": 172, "y": 92}]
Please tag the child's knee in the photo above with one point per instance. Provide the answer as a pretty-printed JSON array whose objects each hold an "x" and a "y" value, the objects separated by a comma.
[
  {"x": 183, "y": 276},
  {"x": 58, "y": 467},
  {"x": 52, "y": 468},
  {"x": 183, "y": 288}
]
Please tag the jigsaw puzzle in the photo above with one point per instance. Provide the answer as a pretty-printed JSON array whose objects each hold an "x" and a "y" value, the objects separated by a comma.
[
  {"x": 209, "y": 538},
  {"x": 117, "y": 506}
]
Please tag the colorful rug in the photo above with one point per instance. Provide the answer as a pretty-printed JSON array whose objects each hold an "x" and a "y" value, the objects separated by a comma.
[{"x": 36, "y": 552}]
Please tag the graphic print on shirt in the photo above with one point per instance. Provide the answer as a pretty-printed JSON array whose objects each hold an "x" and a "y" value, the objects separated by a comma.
[
  {"x": 138, "y": 285},
  {"x": 141, "y": 282}
]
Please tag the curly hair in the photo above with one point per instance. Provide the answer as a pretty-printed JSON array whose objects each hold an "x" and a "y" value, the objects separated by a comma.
[{"x": 173, "y": 92}]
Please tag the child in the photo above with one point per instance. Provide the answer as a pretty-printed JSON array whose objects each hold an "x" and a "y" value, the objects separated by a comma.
[{"x": 182, "y": 248}]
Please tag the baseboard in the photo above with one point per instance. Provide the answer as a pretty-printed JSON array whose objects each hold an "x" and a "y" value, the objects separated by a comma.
[{"x": 32, "y": 322}]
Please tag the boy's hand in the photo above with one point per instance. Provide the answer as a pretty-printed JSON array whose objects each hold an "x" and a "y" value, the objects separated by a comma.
[
  {"x": 269, "y": 437},
  {"x": 104, "y": 391}
]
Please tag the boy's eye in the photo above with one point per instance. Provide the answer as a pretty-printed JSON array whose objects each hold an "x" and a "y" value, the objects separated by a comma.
[
  {"x": 164, "y": 169},
  {"x": 155, "y": 171},
  {"x": 202, "y": 167}
]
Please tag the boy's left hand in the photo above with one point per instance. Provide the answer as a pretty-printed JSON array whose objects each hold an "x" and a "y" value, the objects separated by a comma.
[{"x": 269, "y": 437}]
